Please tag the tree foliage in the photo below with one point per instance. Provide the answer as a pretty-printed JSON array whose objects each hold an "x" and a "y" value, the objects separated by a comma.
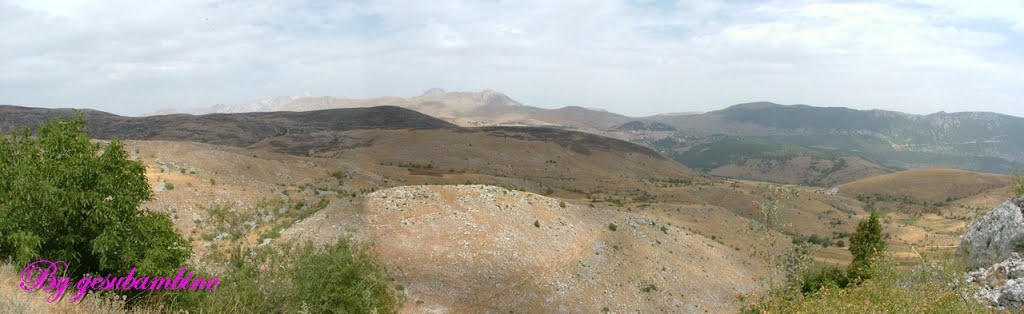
[
  {"x": 64, "y": 197},
  {"x": 866, "y": 245},
  {"x": 1018, "y": 181}
]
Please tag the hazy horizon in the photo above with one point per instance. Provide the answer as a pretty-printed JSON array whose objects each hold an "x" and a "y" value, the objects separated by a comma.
[{"x": 636, "y": 58}]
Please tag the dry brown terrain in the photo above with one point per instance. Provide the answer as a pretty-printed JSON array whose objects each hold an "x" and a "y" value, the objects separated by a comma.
[
  {"x": 454, "y": 247},
  {"x": 462, "y": 248}
]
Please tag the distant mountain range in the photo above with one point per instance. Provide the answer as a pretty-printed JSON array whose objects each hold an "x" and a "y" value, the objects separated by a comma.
[
  {"x": 763, "y": 141},
  {"x": 485, "y": 108}
]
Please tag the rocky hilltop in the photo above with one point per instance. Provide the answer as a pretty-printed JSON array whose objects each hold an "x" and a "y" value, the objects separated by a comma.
[{"x": 463, "y": 248}]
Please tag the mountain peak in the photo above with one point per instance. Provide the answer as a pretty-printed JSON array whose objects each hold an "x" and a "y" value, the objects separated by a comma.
[{"x": 434, "y": 92}]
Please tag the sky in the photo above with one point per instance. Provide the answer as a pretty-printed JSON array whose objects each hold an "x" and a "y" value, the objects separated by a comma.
[{"x": 634, "y": 57}]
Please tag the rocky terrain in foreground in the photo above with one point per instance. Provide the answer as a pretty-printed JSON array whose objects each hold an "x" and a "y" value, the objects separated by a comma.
[{"x": 991, "y": 245}]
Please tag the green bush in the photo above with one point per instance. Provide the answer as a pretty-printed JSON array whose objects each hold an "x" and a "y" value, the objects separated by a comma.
[
  {"x": 342, "y": 278},
  {"x": 830, "y": 277},
  {"x": 63, "y": 197}
]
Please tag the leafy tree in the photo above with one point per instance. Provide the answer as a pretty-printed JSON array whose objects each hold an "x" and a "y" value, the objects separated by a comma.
[
  {"x": 63, "y": 197},
  {"x": 866, "y": 245}
]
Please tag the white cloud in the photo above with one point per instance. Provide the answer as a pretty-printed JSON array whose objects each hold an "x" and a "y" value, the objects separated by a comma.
[{"x": 627, "y": 56}]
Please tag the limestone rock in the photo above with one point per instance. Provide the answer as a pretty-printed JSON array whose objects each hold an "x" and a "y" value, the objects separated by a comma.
[{"x": 994, "y": 237}]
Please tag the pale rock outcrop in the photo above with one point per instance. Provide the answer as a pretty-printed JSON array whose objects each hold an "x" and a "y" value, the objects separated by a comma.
[{"x": 995, "y": 236}]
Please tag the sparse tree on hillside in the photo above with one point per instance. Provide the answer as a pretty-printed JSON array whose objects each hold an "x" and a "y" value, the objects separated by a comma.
[
  {"x": 771, "y": 207},
  {"x": 63, "y": 197},
  {"x": 866, "y": 245}
]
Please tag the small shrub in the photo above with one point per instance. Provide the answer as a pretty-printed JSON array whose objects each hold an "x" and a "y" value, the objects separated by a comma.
[
  {"x": 536, "y": 223},
  {"x": 168, "y": 186},
  {"x": 649, "y": 288},
  {"x": 613, "y": 227}
]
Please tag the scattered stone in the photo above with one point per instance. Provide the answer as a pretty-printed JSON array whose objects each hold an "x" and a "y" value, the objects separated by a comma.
[{"x": 1002, "y": 284}]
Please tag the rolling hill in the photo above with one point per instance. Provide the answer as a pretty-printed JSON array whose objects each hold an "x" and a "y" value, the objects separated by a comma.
[
  {"x": 927, "y": 185},
  {"x": 869, "y": 142}
]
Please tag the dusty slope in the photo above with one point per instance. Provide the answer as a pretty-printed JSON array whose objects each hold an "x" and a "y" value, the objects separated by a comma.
[{"x": 466, "y": 248}]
